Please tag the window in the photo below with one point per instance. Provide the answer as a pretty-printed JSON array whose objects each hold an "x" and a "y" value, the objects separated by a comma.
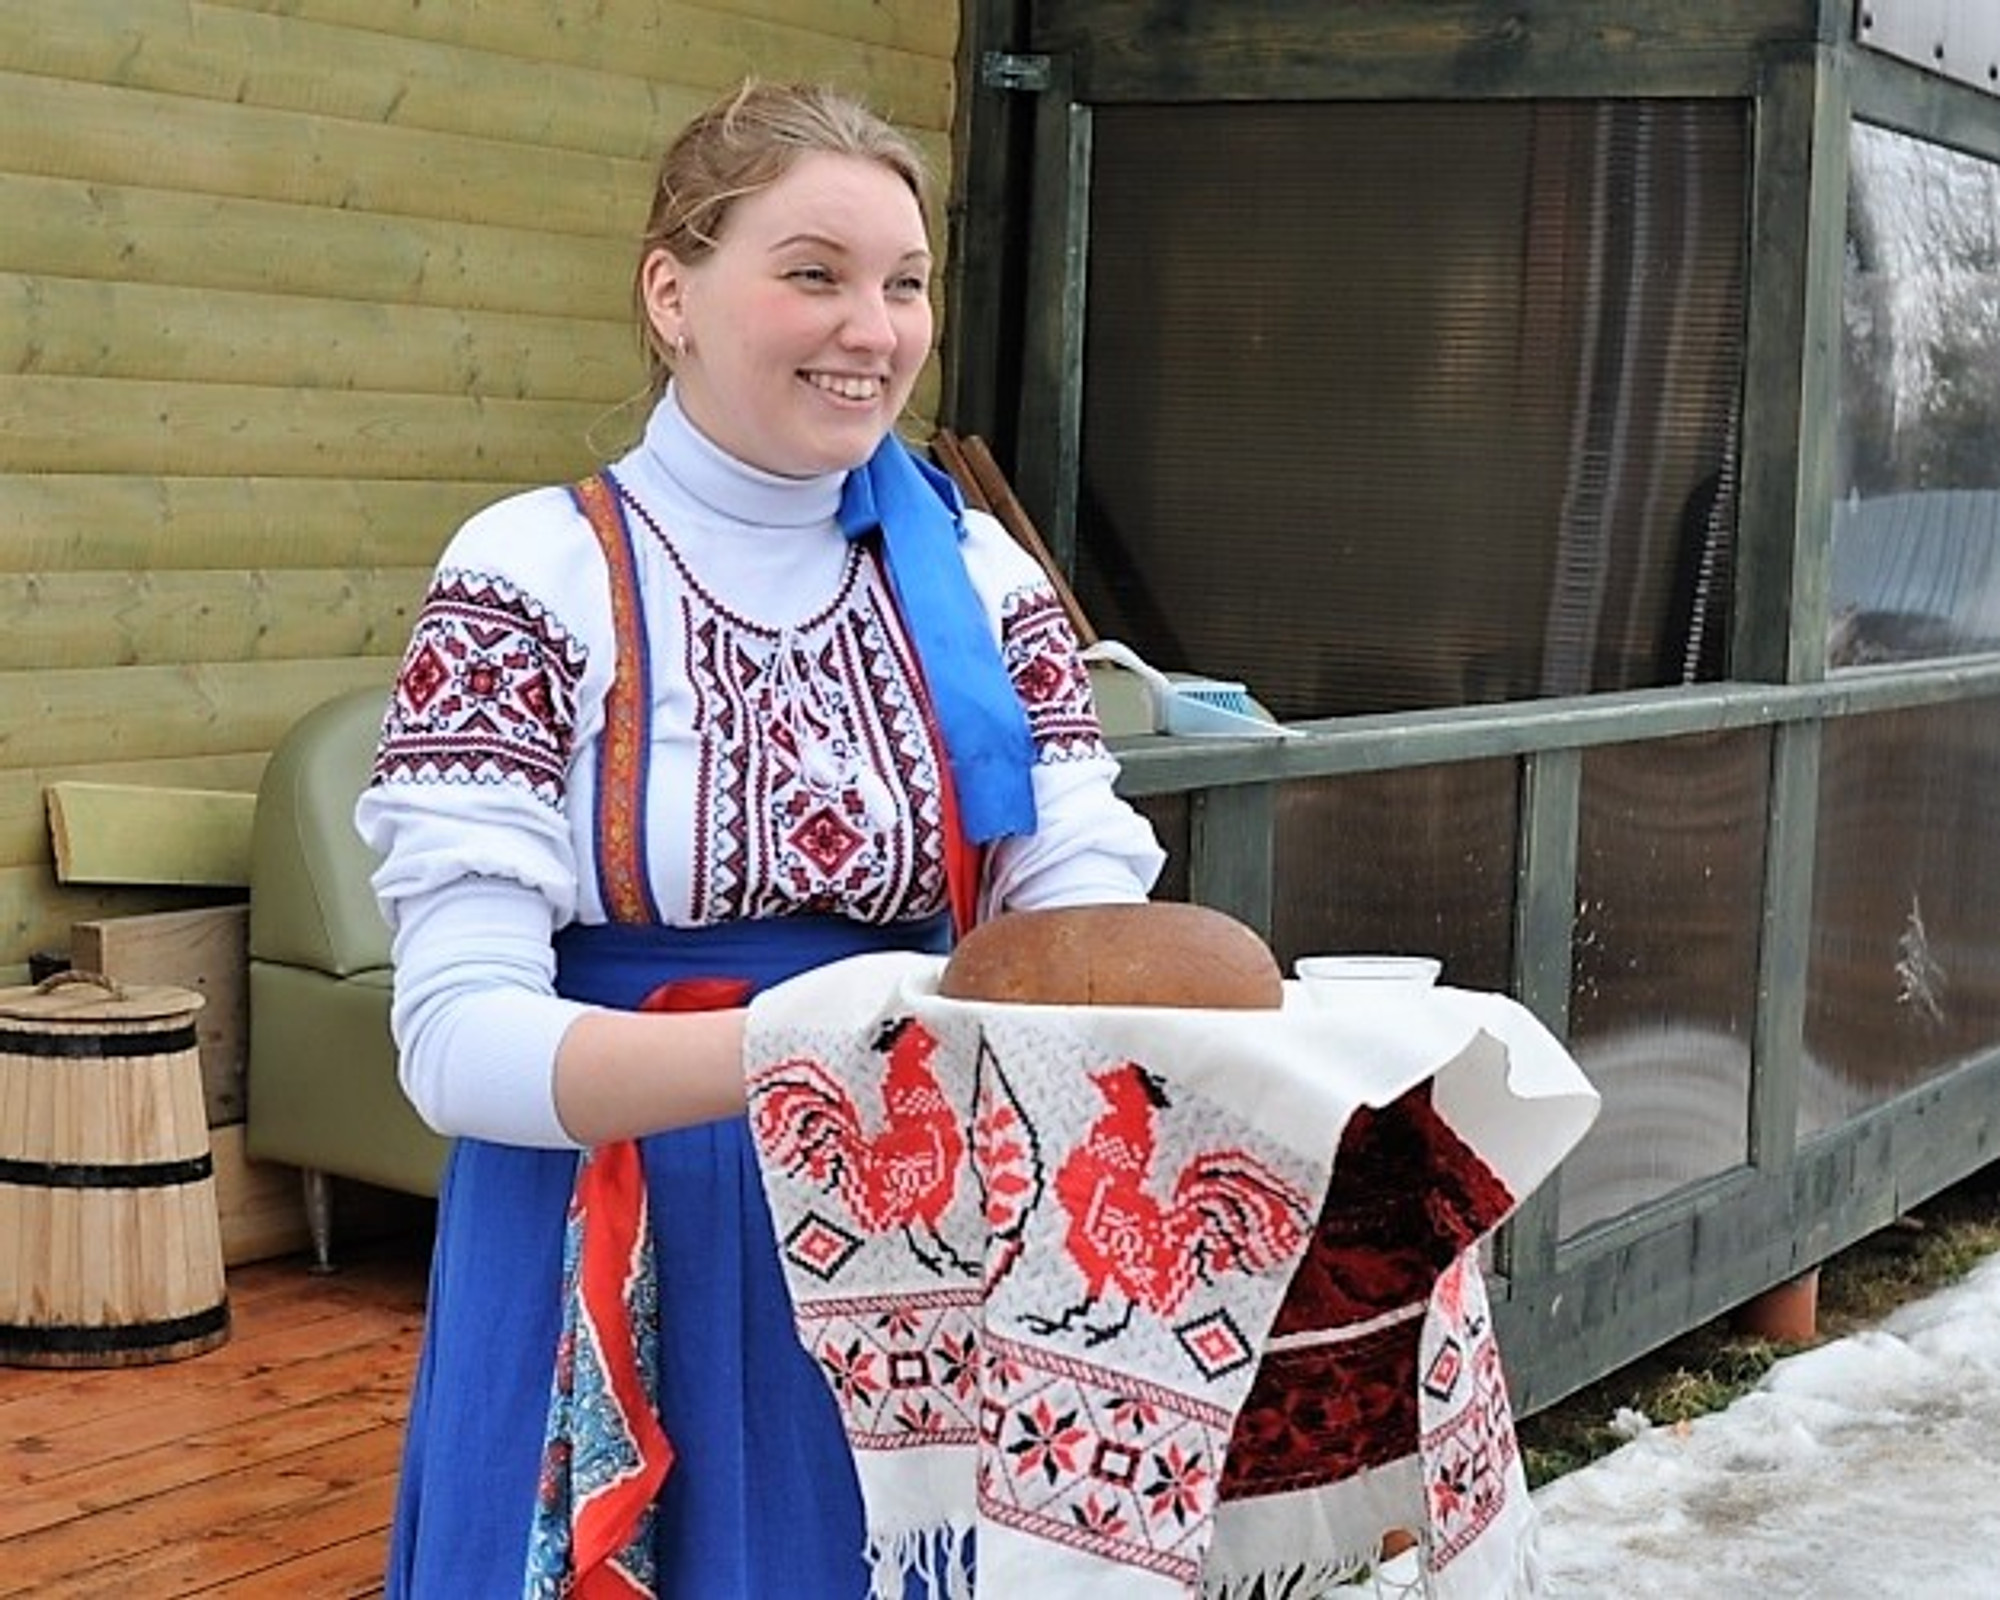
[
  {"x": 1916, "y": 529},
  {"x": 1400, "y": 405}
]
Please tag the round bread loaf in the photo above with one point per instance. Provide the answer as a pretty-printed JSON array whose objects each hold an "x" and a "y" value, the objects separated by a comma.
[{"x": 1157, "y": 953}]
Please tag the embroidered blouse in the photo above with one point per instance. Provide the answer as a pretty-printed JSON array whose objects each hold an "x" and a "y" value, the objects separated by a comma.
[{"x": 791, "y": 771}]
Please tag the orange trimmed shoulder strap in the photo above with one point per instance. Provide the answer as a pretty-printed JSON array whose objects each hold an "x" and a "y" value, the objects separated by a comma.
[{"x": 622, "y": 875}]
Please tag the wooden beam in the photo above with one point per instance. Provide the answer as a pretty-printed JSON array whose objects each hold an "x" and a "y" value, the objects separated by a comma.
[
  {"x": 1133, "y": 51},
  {"x": 971, "y": 465},
  {"x": 128, "y": 833}
]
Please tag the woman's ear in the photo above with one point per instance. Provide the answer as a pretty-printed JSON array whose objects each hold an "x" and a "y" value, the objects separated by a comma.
[{"x": 662, "y": 289}]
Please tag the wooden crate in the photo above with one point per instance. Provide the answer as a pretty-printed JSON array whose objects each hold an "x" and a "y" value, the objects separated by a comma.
[{"x": 206, "y": 950}]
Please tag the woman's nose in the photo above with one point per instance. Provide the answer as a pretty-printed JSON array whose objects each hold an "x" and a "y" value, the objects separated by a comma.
[{"x": 869, "y": 325}]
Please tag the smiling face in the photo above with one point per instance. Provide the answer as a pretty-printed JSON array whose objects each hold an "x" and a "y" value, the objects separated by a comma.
[{"x": 799, "y": 337}]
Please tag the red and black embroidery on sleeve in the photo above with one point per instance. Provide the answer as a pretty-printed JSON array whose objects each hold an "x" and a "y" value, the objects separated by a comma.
[{"x": 487, "y": 691}]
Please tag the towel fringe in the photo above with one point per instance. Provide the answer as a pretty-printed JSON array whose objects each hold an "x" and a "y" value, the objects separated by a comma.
[
  {"x": 1302, "y": 1580},
  {"x": 1366, "y": 1575},
  {"x": 939, "y": 1558}
]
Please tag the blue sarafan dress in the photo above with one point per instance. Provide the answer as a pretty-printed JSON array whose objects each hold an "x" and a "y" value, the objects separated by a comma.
[
  {"x": 757, "y": 763},
  {"x": 762, "y": 1498}
]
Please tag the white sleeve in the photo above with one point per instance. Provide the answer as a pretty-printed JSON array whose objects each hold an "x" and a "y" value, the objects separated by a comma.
[
  {"x": 1089, "y": 846},
  {"x": 501, "y": 685},
  {"x": 468, "y": 810},
  {"x": 475, "y": 1014}
]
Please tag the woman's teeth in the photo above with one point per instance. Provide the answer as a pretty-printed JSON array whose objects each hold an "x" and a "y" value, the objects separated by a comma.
[{"x": 846, "y": 388}]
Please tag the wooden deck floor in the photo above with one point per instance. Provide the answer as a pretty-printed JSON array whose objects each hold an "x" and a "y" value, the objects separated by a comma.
[{"x": 263, "y": 1467}]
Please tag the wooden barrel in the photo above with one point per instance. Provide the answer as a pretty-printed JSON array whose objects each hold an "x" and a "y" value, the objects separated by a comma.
[{"x": 107, "y": 1188}]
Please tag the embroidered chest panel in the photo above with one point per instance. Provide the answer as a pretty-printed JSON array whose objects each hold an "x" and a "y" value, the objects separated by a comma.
[{"x": 815, "y": 785}]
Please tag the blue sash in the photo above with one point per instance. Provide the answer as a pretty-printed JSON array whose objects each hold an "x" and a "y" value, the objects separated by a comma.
[
  {"x": 983, "y": 725},
  {"x": 618, "y": 964}
]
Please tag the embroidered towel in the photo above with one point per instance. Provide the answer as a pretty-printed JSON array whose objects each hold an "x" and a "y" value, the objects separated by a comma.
[{"x": 1079, "y": 1278}]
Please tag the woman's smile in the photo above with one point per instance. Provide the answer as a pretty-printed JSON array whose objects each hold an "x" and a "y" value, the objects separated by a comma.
[{"x": 846, "y": 387}]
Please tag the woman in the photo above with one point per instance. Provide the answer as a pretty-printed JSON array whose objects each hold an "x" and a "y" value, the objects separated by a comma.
[{"x": 728, "y": 712}]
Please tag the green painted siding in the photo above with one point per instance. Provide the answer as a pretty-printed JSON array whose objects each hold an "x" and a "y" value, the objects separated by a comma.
[{"x": 285, "y": 292}]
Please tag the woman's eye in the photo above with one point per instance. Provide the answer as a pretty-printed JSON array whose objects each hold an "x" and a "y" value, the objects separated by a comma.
[
  {"x": 811, "y": 275},
  {"x": 910, "y": 288}
]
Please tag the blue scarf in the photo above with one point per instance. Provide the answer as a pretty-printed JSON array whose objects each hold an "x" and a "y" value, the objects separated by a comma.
[{"x": 979, "y": 716}]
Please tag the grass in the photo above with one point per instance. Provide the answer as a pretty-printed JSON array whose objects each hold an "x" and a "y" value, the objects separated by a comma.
[{"x": 1934, "y": 1245}]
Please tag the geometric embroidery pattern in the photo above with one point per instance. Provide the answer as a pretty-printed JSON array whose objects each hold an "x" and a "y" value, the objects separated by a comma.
[
  {"x": 1442, "y": 1375},
  {"x": 1049, "y": 676},
  {"x": 486, "y": 692},
  {"x": 1469, "y": 1442},
  {"x": 902, "y": 1369},
  {"x": 1089, "y": 1457},
  {"x": 820, "y": 1247},
  {"x": 812, "y": 745},
  {"x": 1215, "y": 1345}
]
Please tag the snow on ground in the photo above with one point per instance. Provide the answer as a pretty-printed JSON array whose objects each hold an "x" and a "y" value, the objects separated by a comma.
[{"x": 1865, "y": 1469}]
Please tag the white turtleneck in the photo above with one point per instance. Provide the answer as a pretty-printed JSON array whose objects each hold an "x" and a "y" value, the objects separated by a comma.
[
  {"x": 768, "y": 546},
  {"x": 782, "y": 693}
]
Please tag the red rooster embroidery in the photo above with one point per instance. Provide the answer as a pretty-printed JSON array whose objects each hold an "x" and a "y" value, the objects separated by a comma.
[
  {"x": 1227, "y": 1211},
  {"x": 903, "y": 1175}
]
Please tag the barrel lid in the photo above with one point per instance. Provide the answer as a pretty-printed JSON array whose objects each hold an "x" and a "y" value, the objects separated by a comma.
[{"x": 90, "y": 997}]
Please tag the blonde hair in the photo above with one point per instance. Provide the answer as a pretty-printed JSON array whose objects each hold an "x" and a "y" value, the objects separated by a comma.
[{"x": 741, "y": 145}]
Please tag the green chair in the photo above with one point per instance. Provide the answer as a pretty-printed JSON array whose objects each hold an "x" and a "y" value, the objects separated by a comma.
[{"x": 322, "y": 1089}]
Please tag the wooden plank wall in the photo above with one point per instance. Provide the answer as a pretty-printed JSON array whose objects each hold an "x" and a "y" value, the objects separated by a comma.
[{"x": 287, "y": 288}]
